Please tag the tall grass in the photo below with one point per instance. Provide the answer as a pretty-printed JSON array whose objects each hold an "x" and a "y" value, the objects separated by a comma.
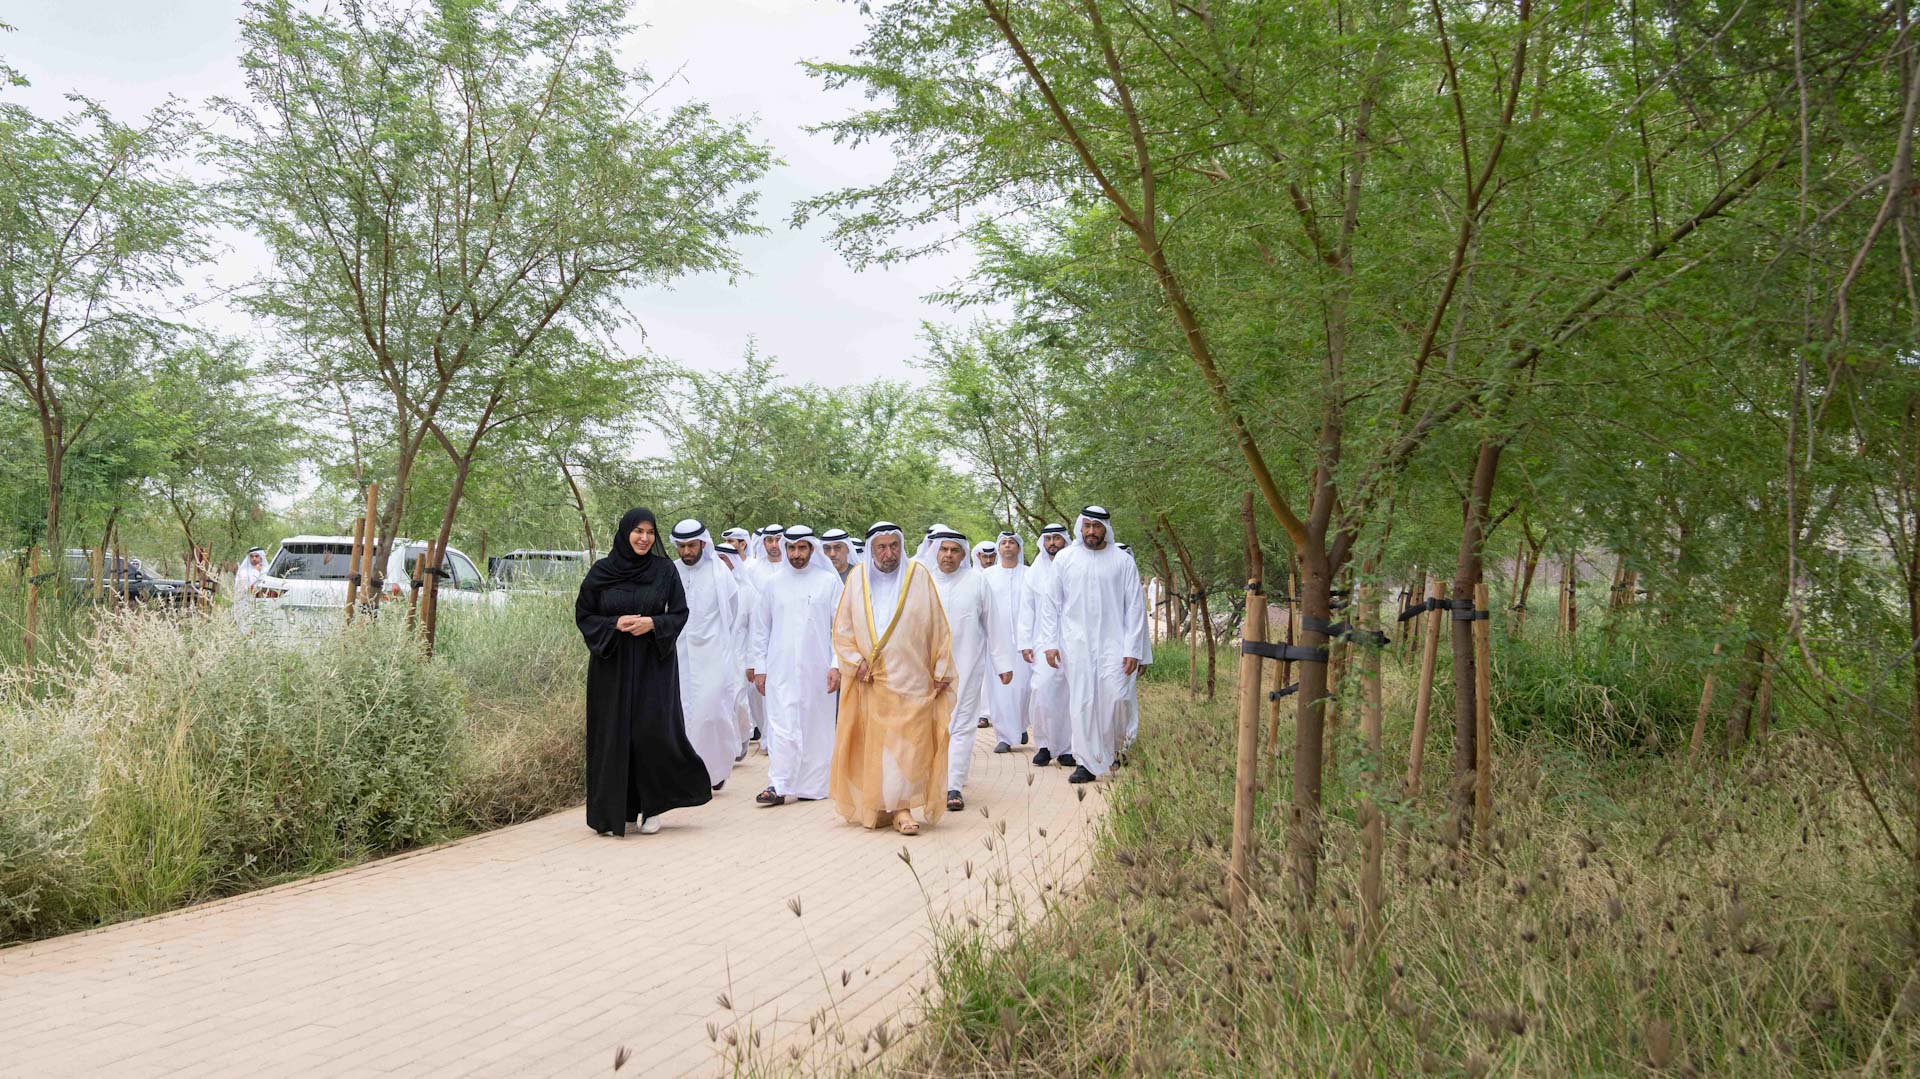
[
  {"x": 1629, "y": 915},
  {"x": 174, "y": 759}
]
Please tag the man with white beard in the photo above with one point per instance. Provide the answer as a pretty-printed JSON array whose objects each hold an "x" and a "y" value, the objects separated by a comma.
[
  {"x": 1047, "y": 694},
  {"x": 794, "y": 670},
  {"x": 969, "y": 607},
  {"x": 1007, "y": 701},
  {"x": 1093, "y": 625},
  {"x": 707, "y": 651}
]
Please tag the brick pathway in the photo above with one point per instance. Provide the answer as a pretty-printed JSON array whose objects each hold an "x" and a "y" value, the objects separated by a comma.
[{"x": 541, "y": 949}]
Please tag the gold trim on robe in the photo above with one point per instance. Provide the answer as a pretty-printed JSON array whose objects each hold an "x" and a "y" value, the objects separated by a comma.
[{"x": 890, "y": 746}]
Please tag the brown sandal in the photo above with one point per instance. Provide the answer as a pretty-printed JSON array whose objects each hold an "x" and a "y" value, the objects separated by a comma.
[{"x": 904, "y": 823}]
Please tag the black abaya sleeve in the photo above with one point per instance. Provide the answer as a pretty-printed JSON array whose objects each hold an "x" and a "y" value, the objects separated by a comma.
[
  {"x": 596, "y": 628},
  {"x": 669, "y": 622}
]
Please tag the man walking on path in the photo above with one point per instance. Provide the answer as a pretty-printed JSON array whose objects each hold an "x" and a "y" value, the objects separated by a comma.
[
  {"x": 890, "y": 748},
  {"x": 707, "y": 651},
  {"x": 1094, "y": 624},
  {"x": 968, "y": 605},
  {"x": 794, "y": 672},
  {"x": 1047, "y": 693},
  {"x": 1007, "y": 701}
]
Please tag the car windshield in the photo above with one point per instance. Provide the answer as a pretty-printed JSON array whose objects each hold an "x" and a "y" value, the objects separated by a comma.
[
  {"x": 460, "y": 571},
  {"x": 539, "y": 569},
  {"x": 312, "y": 561}
]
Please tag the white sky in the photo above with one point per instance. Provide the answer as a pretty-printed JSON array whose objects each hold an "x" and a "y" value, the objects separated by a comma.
[{"x": 824, "y": 322}]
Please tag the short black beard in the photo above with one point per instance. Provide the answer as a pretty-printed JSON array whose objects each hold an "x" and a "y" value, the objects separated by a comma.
[{"x": 1092, "y": 546}]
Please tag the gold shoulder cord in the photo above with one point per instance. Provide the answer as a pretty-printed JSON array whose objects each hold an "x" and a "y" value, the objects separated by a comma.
[{"x": 866, "y": 592}]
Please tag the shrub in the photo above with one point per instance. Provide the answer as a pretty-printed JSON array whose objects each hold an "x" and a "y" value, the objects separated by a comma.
[
  {"x": 187, "y": 760},
  {"x": 47, "y": 776},
  {"x": 1600, "y": 697}
]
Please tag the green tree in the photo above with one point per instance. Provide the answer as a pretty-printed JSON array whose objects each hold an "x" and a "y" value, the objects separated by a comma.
[
  {"x": 226, "y": 447},
  {"x": 97, "y": 222},
  {"x": 456, "y": 194}
]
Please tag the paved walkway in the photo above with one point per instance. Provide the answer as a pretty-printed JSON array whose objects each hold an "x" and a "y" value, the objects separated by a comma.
[{"x": 543, "y": 949}]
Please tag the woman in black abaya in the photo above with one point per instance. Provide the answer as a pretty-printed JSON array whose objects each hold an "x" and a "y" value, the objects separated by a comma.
[{"x": 630, "y": 610}]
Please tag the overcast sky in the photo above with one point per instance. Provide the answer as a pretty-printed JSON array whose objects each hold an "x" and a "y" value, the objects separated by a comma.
[{"x": 824, "y": 322}]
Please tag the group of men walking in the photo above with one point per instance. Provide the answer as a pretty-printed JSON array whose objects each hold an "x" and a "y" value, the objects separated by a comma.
[{"x": 865, "y": 670}]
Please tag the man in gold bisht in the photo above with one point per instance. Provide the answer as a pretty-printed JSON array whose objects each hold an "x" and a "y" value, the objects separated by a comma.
[{"x": 890, "y": 749}]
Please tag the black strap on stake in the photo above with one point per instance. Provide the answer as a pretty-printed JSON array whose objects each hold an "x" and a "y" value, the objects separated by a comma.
[
  {"x": 1344, "y": 632},
  {"x": 1283, "y": 691},
  {"x": 1462, "y": 609},
  {"x": 1283, "y": 652}
]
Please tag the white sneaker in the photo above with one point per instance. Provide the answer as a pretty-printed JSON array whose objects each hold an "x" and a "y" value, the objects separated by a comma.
[{"x": 650, "y": 826}]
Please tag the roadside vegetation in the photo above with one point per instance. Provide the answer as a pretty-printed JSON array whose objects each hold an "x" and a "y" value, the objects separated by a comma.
[
  {"x": 1631, "y": 915},
  {"x": 172, "y": 759}
]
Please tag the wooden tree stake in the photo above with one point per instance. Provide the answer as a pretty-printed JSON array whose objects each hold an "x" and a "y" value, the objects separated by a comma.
[
  {"x": 1246, "y": 761},
  {"x": 353, "y": 565},
  {"x": 374, "y": 572},
  {"x": 1483, "y": 719},
  {"x": 1700, "y": 717},
  {"x": 1372, "y": 826},
  {"x": 1423, "y": 700},
  {"x": 30, "y": 638}
]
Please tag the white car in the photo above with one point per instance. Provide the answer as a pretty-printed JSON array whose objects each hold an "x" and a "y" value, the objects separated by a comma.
[
  {"x": 304, "y": 589},
  {"x": 543, "y": 573}
]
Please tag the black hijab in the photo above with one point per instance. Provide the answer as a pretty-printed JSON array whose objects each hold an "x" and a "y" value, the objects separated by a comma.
[{"x": 622, "y": 565}]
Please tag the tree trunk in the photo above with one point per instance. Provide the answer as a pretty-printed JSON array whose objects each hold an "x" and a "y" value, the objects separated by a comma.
[
  {"x": 1572, "y": 578},
  {"x": 1526, "y": 587},
  {"x": 1740, "y": 716},
  {"x": 458, "y": 490},
  {"x": 1467, "y": 571},
  {"x": 1303, "y": 832},
  {"x": 579, "y": 505},
  {"x": 1913, "y": 631},
  {"x": 53, "y": 446}
]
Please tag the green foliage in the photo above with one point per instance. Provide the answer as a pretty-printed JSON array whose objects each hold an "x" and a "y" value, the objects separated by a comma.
[
  {"x": 97, "y": 221},
  {"x": 1635, "y": 698},
  {"x": 497, "y": 275},
  {"x": 174, "y": 759},
  {"x": 747, "y": 449}
]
